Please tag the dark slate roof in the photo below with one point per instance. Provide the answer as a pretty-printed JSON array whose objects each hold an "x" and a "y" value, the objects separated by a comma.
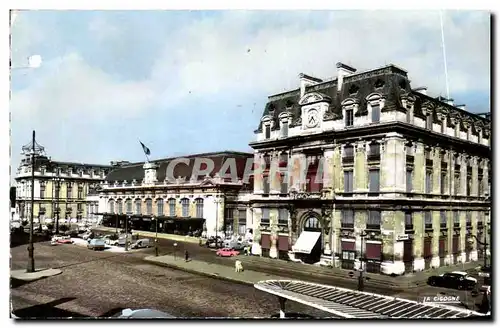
[
  {"x": 390, "y": 81},
  {"x": 136, "y": 171},
  {"x": 50, "y": 165}
]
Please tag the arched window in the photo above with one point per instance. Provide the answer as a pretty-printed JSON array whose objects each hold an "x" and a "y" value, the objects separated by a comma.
[
  {"x": 171, "y": 206},
  {"x": 159, "y": 203},
  {"x": 111, "y": 206},
  {"x": 185, "y": 207},
  {"x": 137, "y": 206},
  {"x": 129, "y": 206},
  {"x": 149, "y": 206},
  {"x": 120, "y": 206},
  {"x": 312, "y": 223},
  {"x": 199, "y": 207}
]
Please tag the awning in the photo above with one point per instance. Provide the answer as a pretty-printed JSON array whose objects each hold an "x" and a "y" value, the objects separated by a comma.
[{"x": 306, "y": 242}]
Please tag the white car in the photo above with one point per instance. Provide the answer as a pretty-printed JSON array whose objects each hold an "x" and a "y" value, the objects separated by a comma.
[
  {"x": 143, "y": 314},
  {"x": 465, "y": 274}
]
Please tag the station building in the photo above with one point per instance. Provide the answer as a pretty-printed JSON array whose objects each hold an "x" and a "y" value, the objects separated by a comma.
[{"x": 405, "y": 178}]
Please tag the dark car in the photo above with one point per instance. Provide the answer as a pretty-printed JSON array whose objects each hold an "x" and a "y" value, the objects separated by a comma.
[
  {"x": 212, "y": 244},
  {"x": 456, "y": 280}
]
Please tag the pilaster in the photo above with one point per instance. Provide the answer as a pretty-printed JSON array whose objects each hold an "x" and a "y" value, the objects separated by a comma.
[
  {"x": 435, "y": 240},
  {"x": 475, "y": 177},
  {"x": 436, "y": 171},
  {"x": 392, "y": 163},
  {"x": 338, "y": 173},
  {"x": 463, "y": 175},
  {"x": 359, "y": 226},
  {"x": 418, "y": 242},
  {"x": 360, "y": 168},
  {"x": 274, "y": 174},
  {"x": 463, "y": 233},
  {"x": 328, "y": 169},
  {"x": 258, "y": 182},
  {"x": 388, "y": 234},
  {"x": 257, "y": 216},
  {"x": 419, "y": 169}
]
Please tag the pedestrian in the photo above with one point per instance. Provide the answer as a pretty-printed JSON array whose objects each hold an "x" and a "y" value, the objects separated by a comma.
[{"x": 186, "y": 255}]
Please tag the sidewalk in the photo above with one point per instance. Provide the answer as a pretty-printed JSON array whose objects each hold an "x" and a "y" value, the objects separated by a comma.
[
  {"x": 224, "y": 272},
  {"x": 187, "y": 239},
  {"x": 32, "y": 276}
]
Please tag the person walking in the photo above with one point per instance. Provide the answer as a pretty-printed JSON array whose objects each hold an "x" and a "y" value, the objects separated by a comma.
[{"x": 186, "y": 256}]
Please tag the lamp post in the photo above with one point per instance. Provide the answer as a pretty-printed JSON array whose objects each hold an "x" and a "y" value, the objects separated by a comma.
[
  {"x": 156, "y": 235},
  {"x": 361, "y": 279},
  {"x": 217, "y": 201}
]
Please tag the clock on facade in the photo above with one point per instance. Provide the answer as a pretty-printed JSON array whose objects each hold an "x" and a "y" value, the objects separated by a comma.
[{"x": 312, "y": 118}]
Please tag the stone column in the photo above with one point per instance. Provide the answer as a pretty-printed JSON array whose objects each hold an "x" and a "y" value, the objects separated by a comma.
[
  {"x": 448, "y": 260},
  {"x": 273, "y": 224},
  {"x": 436, "y": 171},
  {"x": 463, "y": 175},
  {"x": 451, "y": 170},
  {"x": 473, "y": 252},
  {"x": 360, "y": 168},
  {"x": 257, "y": 216},
  {"x": 435, "y": 238},
  {"x": 475, "y": 177},
  {"x": 328, "y": 169},
  {"x": 393, "y": 164},
  {"x": 486, "y": 174},
  {"x": 360, "y": 218},
  {"x": 419, "y": 169},
  {"x": 393, "y": 225},
  {"x": 418, "y": 242},
  {"x": 258, "y": 182},
  {"x": 274, "y": 174},
  {"x": 463, "y": 233},
  {"x": 338, "y": 172},
  {"x": 335, "y": 235}
]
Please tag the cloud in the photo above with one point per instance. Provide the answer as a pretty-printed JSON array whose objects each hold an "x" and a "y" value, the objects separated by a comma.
[{"x": 70, "y": 87}]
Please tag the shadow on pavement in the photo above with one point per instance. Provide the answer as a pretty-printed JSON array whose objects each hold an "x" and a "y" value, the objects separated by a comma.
[
  {"x": 19, "y": 238},
  {"x": 14, "y": 283},
  {"x": 47, "y": 311}
]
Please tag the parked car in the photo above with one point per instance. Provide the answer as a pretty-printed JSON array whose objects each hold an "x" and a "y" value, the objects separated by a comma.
[
  {"x": 455, "y": 279},
  {"x": 227, "y": 252},
  {"x": 96, "y": 244},
  {"x": 211, "y": 242},
  {"x": 88, "y": 235},
  {"x": 141, "y": 243}
]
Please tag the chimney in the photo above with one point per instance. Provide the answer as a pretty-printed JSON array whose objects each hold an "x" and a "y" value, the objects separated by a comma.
[
  {"x": 462, "y": 107},
  {"x": 422, "y": 90},
  {"x": 343, "y": 70},
  {"x": 305, "y": 81}
]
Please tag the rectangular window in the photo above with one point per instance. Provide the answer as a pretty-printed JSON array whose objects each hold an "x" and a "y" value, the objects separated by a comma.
[
  {"x": 42, "y": 190},
  {"x": 149, "y": 206},
  {"x": 284, "y": 184},
  {"x": 408, "y": 221},
  {"x": 69, "y": 188},
  {"x": 376, "y": 113},
  {"x": 159, "y": 205},
  {"x": 265, "y": 216},
  {"x": 80, "y": 192},
  {"x": 129, "y": 206},
  {"x": 428, "y": 182},
  {"x": 444, "y": 219},
  {"x": 428, "y": 219},
  {"x": 347, "y": 219},
  {"x": 348, "y": 181},
  {"x": 457, "y": 184},
  {"x": 138, "y": 207},
  {"x": 266, "y": 185},
  {"x": 185, "y": 207},
  {"x": 444, "y": 183},
  {"x": 199, "y": 207},
  {"x": 374, "y": 176},
  {"x": 348, "y": 154},
  {"x": 267, "y": 129},
  {"x": 349, "y": 117},
  {"x": 284, "y": 129},
  {"x": 242, "y": 222},
  {"x": 409, "y": 180},
  {"x": 456, "y": 219},
  {"x": 428, "y": 122},
  {"x": 171, "y": 206},
  {"x": 469, "y": 185},
  {"x": 120, "y": 207},
  {"x": 283, "y": 217},
  {"x": 468, "y": 218},
  {"x": 373, "y": 221}
]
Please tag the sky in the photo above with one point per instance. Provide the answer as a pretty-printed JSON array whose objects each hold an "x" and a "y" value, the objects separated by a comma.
[{"x": 186, "y": 82}]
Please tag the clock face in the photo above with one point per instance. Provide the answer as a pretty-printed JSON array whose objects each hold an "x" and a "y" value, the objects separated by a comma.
[{"x": 312, "y": 118}]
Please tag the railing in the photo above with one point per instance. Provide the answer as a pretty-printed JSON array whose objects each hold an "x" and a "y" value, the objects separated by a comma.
[
  {"x": 373, "y": 227},
  {"x": 347, "y": 225},
  {"x": 374, "y": 157},
  {"x": 409, "y": 227},
  {"x": 348, "y": 159}
]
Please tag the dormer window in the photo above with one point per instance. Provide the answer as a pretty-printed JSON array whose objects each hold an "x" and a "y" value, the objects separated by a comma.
[
  {"x": 267, "y": 131},
  {"x": 349, "y": 117},
  {"x": 284, "y": 128},
  {"x": 376, "y": 113}
]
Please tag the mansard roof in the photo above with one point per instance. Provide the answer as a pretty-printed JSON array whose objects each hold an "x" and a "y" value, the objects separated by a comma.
[
  {"x": 135, "y": 171},
  {"x": 389, "y": 81}
]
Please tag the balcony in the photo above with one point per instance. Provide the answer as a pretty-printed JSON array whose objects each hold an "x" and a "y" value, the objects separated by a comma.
[
  {"x": 456, "y": 225},
  {"x": 428, "y": 226},
  {"x": 347, "y": 225},
  {"x": 375, "y": 227},
  {"x": 410, "y": 159},
  {"x": 409, "y": 227},
  {"x": 443, "y": 225},
  {"x": 373, "y": 157},
  {"x": 429, "y": 163}
]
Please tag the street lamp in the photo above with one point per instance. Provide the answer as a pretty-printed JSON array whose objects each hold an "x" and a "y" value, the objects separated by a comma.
[
  {"x": 361, "y": 282},
  {"x": 34, "y": 150},
  {"x": 156, "y": 235},
  {"x": 217, "y": 201}
]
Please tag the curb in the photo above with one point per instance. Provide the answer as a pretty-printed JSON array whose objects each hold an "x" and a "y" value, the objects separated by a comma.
[{"x": 201, "y": 273}]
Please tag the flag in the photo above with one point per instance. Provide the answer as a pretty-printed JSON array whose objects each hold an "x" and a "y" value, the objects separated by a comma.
[{"x": 145, "y": 149}]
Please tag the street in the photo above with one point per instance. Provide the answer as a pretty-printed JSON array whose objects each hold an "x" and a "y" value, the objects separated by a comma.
[{"x": 102, "y": 283}]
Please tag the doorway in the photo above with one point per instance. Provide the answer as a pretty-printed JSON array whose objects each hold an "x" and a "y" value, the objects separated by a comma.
[{"x": 313, "y": 224}]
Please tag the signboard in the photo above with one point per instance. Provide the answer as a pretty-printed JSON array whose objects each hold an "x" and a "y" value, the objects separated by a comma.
[{"x": 403, "y": 237}]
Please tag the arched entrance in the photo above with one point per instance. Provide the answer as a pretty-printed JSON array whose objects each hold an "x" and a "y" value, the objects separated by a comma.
[{"x": 312, "y": 223}]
